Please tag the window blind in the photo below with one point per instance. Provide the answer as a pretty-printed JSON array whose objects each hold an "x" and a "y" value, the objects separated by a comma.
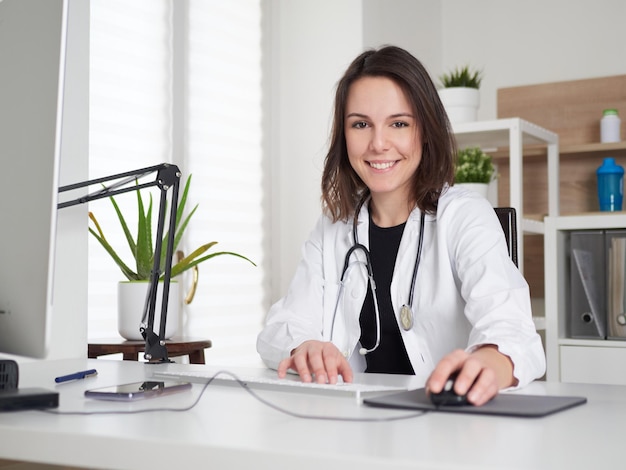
[
  {"x": 223, "y": 153},
  {"x": 181, "y": 82},
  {"x": 129, "y": 126}
]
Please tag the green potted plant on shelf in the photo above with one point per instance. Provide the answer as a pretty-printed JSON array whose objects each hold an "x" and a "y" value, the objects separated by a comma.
[
  {"x": 462, "y": 77},
  {"x": 132, "y": 293},
  {"x": 460, "y": 93},
  {"x": 474, "y": 169}
]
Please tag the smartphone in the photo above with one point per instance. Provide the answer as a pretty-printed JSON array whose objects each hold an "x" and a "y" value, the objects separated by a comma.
[{"x": 138, "y": 390}]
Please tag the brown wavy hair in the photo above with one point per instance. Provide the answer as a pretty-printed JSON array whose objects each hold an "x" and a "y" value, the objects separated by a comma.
[{"x": 342, "y": 188}]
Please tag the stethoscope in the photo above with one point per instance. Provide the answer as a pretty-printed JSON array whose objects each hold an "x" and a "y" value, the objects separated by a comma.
[{"x": 406, "y": 311}]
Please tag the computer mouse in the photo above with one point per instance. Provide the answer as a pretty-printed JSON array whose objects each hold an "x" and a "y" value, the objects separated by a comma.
[{"x": 447, "y": 396}]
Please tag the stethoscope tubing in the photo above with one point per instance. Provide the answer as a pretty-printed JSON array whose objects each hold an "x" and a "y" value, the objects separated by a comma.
[
  {"x": 372, "y": 283},
  {"x": 418, "y": 257},
  {"x": 370, "y": 274}
]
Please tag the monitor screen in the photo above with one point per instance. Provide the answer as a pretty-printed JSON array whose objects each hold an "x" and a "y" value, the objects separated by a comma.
[{"x": 32, "y": 54}]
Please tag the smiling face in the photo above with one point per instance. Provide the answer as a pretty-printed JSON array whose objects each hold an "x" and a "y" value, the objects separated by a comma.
[{"x": 383, "y": 139}]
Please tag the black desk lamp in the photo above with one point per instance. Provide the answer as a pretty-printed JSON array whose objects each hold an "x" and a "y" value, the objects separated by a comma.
[{"x": 167, "y": 176}]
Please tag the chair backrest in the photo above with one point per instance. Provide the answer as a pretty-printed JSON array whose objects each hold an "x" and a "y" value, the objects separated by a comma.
[{"x": 508, "y": 220}]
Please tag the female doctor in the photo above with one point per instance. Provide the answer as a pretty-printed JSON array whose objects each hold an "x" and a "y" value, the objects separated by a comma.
[{"x": 403, "y": 273}]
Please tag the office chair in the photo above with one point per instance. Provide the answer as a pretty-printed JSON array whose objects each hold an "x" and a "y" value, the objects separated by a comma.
[{"x": 508, "y": 220}]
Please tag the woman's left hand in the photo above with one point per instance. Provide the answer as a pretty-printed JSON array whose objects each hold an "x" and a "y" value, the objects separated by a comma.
[{"x": 482, "y": 373}]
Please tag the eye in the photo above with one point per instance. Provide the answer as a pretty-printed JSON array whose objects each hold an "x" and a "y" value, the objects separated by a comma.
[
  {"x": 400, "y": 124},
  {"x": 359, "y": 125}
]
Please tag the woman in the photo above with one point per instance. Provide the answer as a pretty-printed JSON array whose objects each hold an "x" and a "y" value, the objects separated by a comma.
[{"x": 429, "y": 289}]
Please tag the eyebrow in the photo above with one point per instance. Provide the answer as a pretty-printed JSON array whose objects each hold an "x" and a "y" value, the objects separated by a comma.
[{"x": 393, "y": 116}]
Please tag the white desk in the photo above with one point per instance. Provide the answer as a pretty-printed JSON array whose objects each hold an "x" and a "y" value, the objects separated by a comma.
[{"x": 230, "y": 429}]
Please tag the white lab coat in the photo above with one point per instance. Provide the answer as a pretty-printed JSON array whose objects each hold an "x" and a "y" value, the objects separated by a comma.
[{"x": 468, "y": 292}]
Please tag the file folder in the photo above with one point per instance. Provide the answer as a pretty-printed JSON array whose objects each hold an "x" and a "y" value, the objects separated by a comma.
[
  {"x": 587, "y": 299},
  {"x": 616, "y": 284}
]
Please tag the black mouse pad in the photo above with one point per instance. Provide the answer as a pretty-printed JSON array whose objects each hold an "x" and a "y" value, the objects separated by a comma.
[{"x": 504, "y": 404}]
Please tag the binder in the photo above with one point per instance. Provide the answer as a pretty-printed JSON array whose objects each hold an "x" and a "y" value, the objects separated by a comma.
[
  {"x": 587, "y": 300},
  {"x": 616, "y": 280}
]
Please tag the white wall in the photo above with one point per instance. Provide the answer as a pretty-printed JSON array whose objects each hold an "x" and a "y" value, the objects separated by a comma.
[
  {"x": 412, "y": 24},
  {"x": 310, "y": 44},
  {"x": 515, "y": 42},
  {"x": 533, "y": 41}
]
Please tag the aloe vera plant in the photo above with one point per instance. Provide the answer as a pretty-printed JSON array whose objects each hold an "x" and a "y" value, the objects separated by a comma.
[{"x": 142, "y": 246}]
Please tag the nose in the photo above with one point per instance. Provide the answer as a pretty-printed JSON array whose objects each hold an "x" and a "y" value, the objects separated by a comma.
[{"x": 379, "y": 141}]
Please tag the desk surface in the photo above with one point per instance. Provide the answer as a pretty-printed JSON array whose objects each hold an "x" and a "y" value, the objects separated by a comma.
[{"x": 231, "y": 429}]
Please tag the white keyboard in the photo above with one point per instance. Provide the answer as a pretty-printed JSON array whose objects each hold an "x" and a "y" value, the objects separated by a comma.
[{"x": 267, "y": 380}]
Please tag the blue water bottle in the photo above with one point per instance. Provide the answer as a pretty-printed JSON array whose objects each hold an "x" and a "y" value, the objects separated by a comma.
[{"x": 610, "y": 185}]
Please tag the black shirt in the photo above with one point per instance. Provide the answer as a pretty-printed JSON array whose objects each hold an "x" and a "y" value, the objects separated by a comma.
[{"x": 390, "y": 357}]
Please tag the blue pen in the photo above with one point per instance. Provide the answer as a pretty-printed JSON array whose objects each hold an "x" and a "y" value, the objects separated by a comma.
[{"x": 76, "y": 375}]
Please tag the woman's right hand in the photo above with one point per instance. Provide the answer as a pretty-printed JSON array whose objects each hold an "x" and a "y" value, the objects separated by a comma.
[{"x": 317, "y": 360}]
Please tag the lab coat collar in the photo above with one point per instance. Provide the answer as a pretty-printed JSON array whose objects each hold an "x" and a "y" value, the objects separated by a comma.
[
  {"x": 363, "y": 223},
  {"x": 363, "y": 217}
]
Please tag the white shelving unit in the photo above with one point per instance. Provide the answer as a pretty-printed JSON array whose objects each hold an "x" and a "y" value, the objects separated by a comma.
[
  {"x": 516, "y": 133},
  {"x": 576, "y": 360}
]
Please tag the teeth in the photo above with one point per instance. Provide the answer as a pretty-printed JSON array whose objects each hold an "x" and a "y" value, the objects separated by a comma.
[{"x": 381, "y": 166}]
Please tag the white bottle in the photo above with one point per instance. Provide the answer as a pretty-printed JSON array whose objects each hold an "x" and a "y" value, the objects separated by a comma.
[{"x": 610, "y": 126}]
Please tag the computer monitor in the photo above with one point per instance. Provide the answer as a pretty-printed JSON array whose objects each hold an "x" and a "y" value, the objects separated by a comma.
[{"x": 32, "y": 58}]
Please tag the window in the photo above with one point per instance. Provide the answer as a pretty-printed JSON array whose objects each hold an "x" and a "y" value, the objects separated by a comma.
[{"x": 180, "y": 82}]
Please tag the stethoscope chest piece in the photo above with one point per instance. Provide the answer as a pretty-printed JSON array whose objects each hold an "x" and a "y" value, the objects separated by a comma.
[{"x": 406, "y": 317}]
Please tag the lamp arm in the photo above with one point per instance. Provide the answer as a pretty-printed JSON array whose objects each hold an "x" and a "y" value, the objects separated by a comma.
[
  {"x": 168, "y": 177},
  {"x": 124, "y": 179},
  {"x": 156, "y": 350}
]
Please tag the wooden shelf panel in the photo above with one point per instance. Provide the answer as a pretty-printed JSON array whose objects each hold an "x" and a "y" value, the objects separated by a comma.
[
  {"x": 572, "y": 109},
  {"x": 593, "y": 148}
]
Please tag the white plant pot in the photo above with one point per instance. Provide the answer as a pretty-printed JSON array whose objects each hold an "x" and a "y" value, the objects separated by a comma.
[
  {"x": 131, "y": 298},
  {"x": 480, "y": 188},
  {"x": 461, "y": 103}
]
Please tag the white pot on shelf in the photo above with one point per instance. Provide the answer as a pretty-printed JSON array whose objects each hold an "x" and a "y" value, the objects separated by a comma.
[
  {"x": 480, "y": 188},
  {"x": 131, "y": 298},
  {"x": 461, "y": 103}
]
